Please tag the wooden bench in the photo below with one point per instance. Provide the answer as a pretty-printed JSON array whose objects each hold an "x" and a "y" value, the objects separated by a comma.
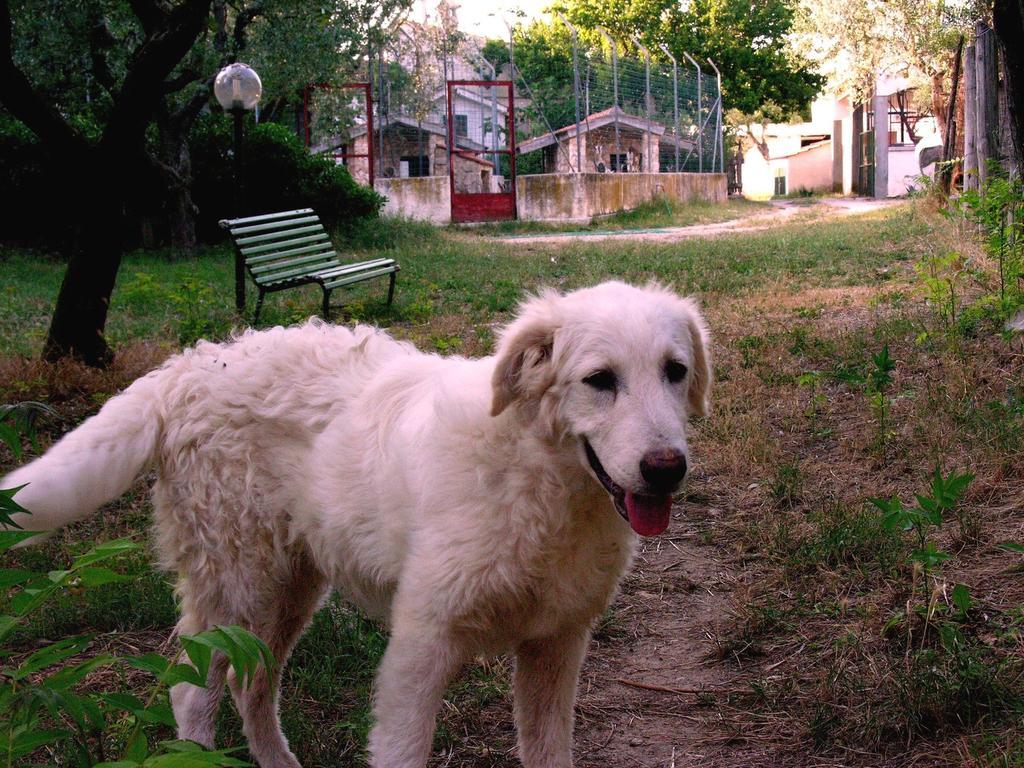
[{"x": 291, "y": 248}]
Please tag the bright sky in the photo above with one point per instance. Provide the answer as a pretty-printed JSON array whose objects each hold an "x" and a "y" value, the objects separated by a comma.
[{"x": 484, "y": 17}]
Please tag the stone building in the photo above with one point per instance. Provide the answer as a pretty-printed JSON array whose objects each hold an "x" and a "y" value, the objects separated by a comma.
[
  {"x": 413, "y": 149},
  {"x": 611, "y": 141}
]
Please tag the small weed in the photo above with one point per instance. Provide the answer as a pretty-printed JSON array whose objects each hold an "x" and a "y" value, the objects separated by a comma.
[
  {"x": 446, "y": 344},
  {"x": 194, "y": 302},
  {"x": 879, "y": 379},
  {"x": 750, "y": 348},
  {"x": 847, "y": 539},
  {"x": 942, "y": 277},
  {"x": 944, "y": 497},
  {"x": 787, "y": 487},
  {"x": 808, "y": 313}
]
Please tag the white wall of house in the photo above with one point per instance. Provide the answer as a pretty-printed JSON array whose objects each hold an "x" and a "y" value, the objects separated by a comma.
[
  {"x": 813, "y": 169},
  {"x": 904, "y": 171},
  {"x": 809, "y": 168}
]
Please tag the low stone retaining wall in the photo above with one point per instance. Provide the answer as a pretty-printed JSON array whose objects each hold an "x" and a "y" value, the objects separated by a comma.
[
  {"x": 426, "y": 198},
  {"x": 557, "y": 196},
  {"x": 581, "y": 196}
]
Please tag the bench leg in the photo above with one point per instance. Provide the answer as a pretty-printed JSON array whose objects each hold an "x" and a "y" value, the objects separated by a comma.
[
  {"x": 327, "y": 305},
  {"x": 259, "y": 306},
  {"x": 391, "y": 288}
]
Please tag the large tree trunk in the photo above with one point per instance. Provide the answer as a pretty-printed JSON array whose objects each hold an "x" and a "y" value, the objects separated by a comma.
[
  {"x": 80, "y": 317},
  {"x": 105, "y": 172},
  {"x": 175, "y": 163}
]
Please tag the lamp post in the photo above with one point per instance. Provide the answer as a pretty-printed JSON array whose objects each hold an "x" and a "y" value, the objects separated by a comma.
[{"x": 238, "y": 90}]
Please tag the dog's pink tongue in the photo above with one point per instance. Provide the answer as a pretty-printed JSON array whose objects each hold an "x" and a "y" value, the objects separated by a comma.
[{"x": 648, "y": 515}]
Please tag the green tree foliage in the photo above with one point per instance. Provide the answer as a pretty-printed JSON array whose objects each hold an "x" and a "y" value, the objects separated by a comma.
[
  {"x": 281, "y": 175},
  {"x": 854, "y": 41},
  {"x": 111, "y": 89},
  {"x": 748, "y": 41}
]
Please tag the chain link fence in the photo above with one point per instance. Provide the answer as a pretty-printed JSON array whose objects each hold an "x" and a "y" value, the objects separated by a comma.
[{"x": 616, "y": 113}]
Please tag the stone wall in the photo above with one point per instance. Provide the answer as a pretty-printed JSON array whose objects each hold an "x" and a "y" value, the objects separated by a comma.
[
  {"x": 568, "y": 197},
  {"x": 425, "y": 198},
  {"x": 556, "y": 196}
]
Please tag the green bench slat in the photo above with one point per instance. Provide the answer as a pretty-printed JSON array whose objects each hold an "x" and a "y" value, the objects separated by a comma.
[
  {"x": 290, "y": 252},
  {"x": 344, "y": 268},
  {"x": 285, "y": 223},
  {"x": 278, "y": 235},
  {"x": 308, "y": 270},
  {"x": 322, "y": 237},
  {"x": 361, "y": 276},
  {"x": 260, "y": 269},
  {"x": 227, "y": 223}
]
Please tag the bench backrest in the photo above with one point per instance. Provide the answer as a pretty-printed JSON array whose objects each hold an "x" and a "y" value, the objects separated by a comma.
[{"x": 282, "y": 246}]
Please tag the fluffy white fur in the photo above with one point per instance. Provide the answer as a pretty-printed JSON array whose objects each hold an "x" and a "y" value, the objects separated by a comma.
[{"x": 451, "y": 498}]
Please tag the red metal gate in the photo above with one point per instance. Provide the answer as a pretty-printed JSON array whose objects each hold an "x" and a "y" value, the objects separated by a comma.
[
  {"x": 356, "y": 149},
  {"x": 482, "y": 150}
]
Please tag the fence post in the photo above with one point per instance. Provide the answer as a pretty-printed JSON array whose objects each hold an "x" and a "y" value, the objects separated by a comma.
[
  {"x": 382, "y": 106},
  {"x": 719, "y": 144},
  {"x": 615, "y": 93},
  {"x": 675, "y": 101},
  {"x": 575, "y": 89},
  {"x": 647, "y": 100},
  {"x": 700, "y": 113}
]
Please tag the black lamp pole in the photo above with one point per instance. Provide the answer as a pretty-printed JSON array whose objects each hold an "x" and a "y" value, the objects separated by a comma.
[{"x": 239, "y": 204}]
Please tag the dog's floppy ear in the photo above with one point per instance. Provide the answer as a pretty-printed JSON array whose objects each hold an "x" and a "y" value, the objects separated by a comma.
[
  {"x": 699, "y": 393},
  {"x": 523, "y": 367}
]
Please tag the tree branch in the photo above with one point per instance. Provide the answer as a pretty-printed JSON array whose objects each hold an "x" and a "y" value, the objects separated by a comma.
[
  {"x": 20, "y": 98},
  {"x": 101, "y": 41},
  {"x": 242, "y": 21},
  {"x": 184, "y": 79},
  {"x": 152, "y": 62},
  {"x": 152, "y": 14}
]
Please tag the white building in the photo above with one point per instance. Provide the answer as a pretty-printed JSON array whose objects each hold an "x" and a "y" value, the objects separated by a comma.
[{"x": 835, "y": 150}]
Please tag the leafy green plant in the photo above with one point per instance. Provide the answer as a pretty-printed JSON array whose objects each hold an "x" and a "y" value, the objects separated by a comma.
[
  {"x": 280, "y": 174},
  {"x": 878, "y": 380},
  {"x": 945, "y": 493},
  {"x": 942, "y": 276},
  {"x": 18, "y": 420},
  {"x": 45, "y": 703},
  {"x": 194, "y": 302},
  {"x": 812, "y": 380},
  {"x": 996, "y": 209}
]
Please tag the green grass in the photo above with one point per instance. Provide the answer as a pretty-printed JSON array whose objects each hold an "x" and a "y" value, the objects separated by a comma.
[
  {"x": 178, "y": 300},
  {"x": 454, "y": 288},
  {"x": 656, "y": 214}
]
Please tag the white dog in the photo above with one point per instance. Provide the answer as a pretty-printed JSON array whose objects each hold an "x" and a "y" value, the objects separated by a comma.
[{"x": 476, "y": 506}]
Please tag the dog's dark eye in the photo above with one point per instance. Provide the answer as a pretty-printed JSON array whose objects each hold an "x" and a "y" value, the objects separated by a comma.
[
  {"x": 675, "y": 371},
  {"x": 604, "y": 381}
]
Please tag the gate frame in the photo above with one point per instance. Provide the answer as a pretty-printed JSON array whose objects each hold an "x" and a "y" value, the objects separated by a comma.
[
  {"x": 510, "y": 151},
  {"x": 367, "y": 90}
]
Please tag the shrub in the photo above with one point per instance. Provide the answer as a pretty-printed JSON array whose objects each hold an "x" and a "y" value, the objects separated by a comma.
[
  {"x": 25, "y": 174},
  {"x": 280, "y": 174}
]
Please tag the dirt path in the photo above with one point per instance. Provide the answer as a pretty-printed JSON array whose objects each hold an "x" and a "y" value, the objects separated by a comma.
[
  {"x": 782, "y": 210},
  {"x": 662, "y": 636}
]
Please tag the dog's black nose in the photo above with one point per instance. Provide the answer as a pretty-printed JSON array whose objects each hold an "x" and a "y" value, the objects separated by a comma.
[{"x": 663, "y": 470}]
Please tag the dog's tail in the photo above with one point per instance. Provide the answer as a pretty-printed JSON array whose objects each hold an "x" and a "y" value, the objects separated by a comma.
[{"x": 95, "y": 463}]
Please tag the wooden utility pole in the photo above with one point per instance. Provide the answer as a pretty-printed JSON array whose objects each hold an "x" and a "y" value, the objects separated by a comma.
[{"x": 970, "y": 121}]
